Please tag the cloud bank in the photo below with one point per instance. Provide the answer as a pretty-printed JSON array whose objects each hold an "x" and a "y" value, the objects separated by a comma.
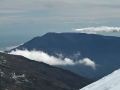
[
  {"x": 94, "y": 30},
  {"x": 51, "y": 60}
]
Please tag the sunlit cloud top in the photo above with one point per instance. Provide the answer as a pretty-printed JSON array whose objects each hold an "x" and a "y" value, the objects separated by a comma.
[{"x": 94, "y": 30}]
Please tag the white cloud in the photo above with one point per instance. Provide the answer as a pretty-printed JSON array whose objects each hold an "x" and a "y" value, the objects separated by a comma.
[
  {"x": 12, "y": 47},
  {"x": 88, "y": 62},
  {"x": 51, "y": 60},
  {"x": 1, "y": 51},
  {"x": 94, "y": 30},
  {"x": 43, "y": 57}
]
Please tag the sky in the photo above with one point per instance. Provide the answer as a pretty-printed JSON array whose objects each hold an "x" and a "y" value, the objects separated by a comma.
[{"x": 21, "y": 20}]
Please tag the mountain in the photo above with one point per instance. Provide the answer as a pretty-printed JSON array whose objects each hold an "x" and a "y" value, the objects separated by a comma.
[
  {"x": 20, "y": 73},
  {"x": 103, "y": 50},
  {"x": 110, "y": 82}
]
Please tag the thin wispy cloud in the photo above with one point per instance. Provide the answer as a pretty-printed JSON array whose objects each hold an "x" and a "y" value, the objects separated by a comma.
[
  {"x": 1, "y": 51},
  {"x": 69, "y": 10},
  {"x": 51, "y": 60},
  {"x": 12, "y": 47},
  {"x": 95, "y": 30},
  {"x": 3, "y": 11}
]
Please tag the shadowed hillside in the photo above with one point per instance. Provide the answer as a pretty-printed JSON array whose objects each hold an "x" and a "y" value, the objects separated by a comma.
[{"x": 19, "y": 73}]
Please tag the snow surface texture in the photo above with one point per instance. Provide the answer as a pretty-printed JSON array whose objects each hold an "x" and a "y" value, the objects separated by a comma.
[{"x": 110, "y": 82}]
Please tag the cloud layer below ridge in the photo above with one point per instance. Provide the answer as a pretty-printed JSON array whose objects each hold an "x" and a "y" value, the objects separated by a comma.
[{"x": 51, "y": 60}]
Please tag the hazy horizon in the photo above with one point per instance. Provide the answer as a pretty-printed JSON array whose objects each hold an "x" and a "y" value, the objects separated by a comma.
[{"x": 20, "y": 20}]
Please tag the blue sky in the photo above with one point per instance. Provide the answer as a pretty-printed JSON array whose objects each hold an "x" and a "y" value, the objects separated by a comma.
[{"x": 21, "y": 20}]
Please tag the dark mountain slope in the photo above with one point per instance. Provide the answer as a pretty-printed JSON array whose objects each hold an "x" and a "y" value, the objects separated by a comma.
[
  {"x": 103, "y": 50},
  {"x": 19, "y": 73},
  {"x": 73, "y": 42}
]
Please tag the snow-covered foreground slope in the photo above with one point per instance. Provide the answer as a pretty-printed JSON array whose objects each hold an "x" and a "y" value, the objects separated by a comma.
[{"x": 110, "y": 82}]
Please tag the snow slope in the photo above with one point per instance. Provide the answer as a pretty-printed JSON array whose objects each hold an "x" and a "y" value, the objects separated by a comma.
[{"x": 110, "y": 82}]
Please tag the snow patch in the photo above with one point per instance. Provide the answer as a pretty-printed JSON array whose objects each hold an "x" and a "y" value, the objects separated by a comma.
[
  {"x": 110, "y": 82},
  {"x": 19, "y": 78}
]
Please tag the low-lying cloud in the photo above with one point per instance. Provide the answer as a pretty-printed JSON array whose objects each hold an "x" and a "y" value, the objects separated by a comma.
[
  {"x": 12, "y": 47},
  {"x": 94, "y": 30},
  {"x": 1, "y": 51},
  {"x": 43, "y": 57},
  {"x": 88, "y": 62},
  {"x": 51, "y": 60}
]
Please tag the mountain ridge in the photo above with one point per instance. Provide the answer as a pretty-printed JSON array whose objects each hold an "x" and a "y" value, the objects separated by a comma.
[
  {"x": 103, "y": 50},
  {"x": 20, "y": 73}
]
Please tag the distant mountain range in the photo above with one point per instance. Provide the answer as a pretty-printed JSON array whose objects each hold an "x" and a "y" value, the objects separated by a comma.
[
  {"x": 109, "y": 82},
  {"x": 20, "y": 73},
  {"x": 103, "y": 50}
]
